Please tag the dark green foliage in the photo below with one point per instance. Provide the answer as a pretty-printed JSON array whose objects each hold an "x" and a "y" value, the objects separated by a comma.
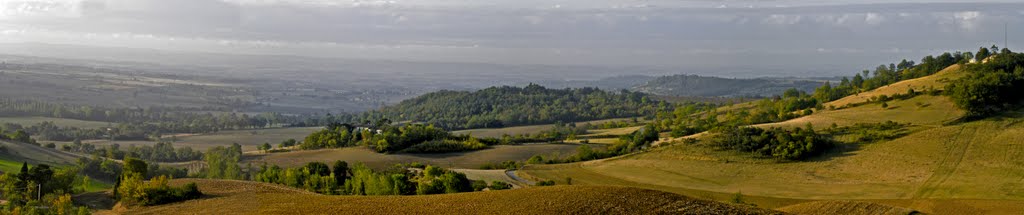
[
  {"x": 361, "y": 180},
  {"x": 796, "y": 144},
  {"x": 318, "y": 168},
  {"x": 132, "y": 165},
  {"x": 478, "y": 185},
  {"x": 411, "y": 138},
  {"x": 546, "y": 183},
  {"x": 510, "y": 106},
  {"x": 164, "y": 195},
  {"x": 340, "y": 171},
  {"x": 990, "y": 87},
  {"x": 499, "y": 185}
]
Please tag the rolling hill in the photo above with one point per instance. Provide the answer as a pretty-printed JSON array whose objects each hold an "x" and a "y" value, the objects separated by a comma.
[
  {"x": 702, "y": 86},
  {"x": 241, "y": 197},
  {"x": 497, "y": 107},
  {"x": 974, "y": 165}
]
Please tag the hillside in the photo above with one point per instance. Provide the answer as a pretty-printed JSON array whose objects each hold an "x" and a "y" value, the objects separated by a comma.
[
  {"x": 941, "y": 167},
  {"x": 511, "y": 106},
  {"x": 701, "y": 86},
  {"x": 240, "y": 197},
  {"x": 22, "y": 152}
]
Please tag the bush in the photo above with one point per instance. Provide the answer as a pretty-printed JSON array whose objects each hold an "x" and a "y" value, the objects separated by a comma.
[
  {"x": 478, "y": 185},
  {"x": 164, "y": 195},
  {"x": 499, "y": 185},
  {"x": 797, "y": 144},
  {"x": 546, "y": 183}
]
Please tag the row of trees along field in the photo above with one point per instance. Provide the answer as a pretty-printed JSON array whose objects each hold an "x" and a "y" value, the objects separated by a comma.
[
  {"x": 342, "y": 179},
  {"x": 148, "y": 122},
  {"x": 511, "y": 106},
  {"x": 388, "y": 139}
]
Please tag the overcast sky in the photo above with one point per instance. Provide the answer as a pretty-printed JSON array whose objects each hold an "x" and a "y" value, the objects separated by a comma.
[{"x": 697, "y": 33}]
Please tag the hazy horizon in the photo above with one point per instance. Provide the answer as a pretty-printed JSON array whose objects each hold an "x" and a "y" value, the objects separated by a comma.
[{"x": 832, "y": 38}]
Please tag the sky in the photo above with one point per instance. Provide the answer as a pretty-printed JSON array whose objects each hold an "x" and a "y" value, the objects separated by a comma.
[{"x": 706, "y": 34}]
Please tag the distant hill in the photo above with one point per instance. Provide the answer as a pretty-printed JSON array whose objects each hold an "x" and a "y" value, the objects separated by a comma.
[
  {"x": 609, "y": 83},
  {"x": 511, "y": 106},
  {"x": 693, "y": 85}
]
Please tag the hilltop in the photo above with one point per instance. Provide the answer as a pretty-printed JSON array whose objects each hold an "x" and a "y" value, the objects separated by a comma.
[
  {"x": 496, "y": 107},
  {"x": 241, "y": 197},
  {"x": 703, "y": 86}
]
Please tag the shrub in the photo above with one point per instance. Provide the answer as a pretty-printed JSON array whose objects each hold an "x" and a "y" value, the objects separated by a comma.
[
  {"x": 546, "y": 183},
  {"x": 499, "y": 185},
  {"x": 478, "y": 185}
]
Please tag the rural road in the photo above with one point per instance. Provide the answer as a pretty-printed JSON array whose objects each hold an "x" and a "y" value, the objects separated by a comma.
[{"x": 512, "y": 174}]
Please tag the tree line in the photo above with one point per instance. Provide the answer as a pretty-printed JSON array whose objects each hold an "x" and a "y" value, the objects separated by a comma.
[{"x": 342, "y": 179}]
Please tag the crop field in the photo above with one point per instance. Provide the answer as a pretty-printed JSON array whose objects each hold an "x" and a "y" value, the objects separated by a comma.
[
  {"x": 237, "y": 197},
  {"x": 466, "y": 160},
  {"x": 29, "y": 121}
]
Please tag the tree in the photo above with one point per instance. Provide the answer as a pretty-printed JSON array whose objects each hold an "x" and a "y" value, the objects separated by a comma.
[
  {"x": 318, "y": 168},
  {"x": 981, "y": 54},
  {"x": 133, "y": 165},
  {"x": 340, "y": 171},
  {"x": 266, "y": 147}
]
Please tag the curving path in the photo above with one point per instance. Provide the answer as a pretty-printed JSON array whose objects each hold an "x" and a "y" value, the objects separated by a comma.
[{"x": 512, "y": 174}]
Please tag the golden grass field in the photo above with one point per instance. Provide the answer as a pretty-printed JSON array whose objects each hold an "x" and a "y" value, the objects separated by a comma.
[
  {"x": 466, "y": 160},
  {"x": 941, "y": 168},
  {"x": 240, "y": 197}
]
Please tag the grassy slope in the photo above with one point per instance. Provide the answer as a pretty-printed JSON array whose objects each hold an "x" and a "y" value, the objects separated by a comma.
[
  {"x": 976, "y": 160},
  {"x": 237, "y": 197}
]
